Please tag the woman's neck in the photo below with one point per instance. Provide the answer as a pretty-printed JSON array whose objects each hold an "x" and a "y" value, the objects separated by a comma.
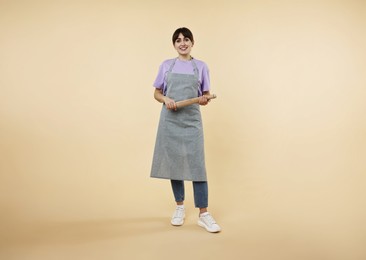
[{"x": 185, "y": 57}]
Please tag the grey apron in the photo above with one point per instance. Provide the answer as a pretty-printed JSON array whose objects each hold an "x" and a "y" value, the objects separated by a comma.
[{"x": 179, "y": 150}]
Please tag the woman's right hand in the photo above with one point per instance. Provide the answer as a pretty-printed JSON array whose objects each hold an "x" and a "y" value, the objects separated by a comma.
[{"x": 170, "y": 103}]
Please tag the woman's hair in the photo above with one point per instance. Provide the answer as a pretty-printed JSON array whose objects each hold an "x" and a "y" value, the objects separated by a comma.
[{"x": 185, "y": 32}]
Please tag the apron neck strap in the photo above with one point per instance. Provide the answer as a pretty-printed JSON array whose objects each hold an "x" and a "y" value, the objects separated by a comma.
[
  {"x": 195, "y": 69},
  {"x": 171, "y": 66}
]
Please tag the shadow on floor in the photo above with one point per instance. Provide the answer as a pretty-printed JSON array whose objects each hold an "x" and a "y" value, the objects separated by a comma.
[{"x": 75, "y": 232}]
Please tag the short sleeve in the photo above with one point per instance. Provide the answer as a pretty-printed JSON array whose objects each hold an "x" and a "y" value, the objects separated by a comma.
[
  {"x": 205, "y": 84},
  {"x": 159, "y": 81}
]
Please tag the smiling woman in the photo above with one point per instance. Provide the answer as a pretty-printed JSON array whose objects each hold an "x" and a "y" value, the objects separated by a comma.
[
  {"x": 285, "y": 144},
  {"x": 179, "y": 148}
]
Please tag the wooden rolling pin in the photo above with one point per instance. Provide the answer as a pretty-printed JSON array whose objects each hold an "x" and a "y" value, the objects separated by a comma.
[{"x": 187, "y": 102}]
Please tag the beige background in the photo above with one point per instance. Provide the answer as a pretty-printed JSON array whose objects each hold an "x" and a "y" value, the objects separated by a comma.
[{"x": 285, "y": 140}]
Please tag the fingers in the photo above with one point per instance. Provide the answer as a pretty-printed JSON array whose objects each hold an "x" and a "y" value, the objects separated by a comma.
[
  {"x": 171, "y": 105},
  {"x": 203, "y": 100}
]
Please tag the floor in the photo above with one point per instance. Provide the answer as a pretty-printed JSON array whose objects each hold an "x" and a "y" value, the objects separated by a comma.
[{"x": 256, "y": 229}]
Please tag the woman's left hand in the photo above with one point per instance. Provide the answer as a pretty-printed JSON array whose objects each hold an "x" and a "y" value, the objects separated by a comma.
[{"x": 203, "y": 101}]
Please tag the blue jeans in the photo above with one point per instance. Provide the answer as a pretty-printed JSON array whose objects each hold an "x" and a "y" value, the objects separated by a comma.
[{"x": 200, "y": 190}]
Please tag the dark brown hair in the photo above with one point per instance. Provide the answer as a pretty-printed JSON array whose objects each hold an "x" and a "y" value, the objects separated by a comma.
[{"x": 185, "y": 32}]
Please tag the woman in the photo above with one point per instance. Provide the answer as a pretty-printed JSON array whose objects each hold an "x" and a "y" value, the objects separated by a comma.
[{"x": 179, "y": 151}]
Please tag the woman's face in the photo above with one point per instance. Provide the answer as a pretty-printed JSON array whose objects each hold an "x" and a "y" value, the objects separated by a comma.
[{"x": 183, "y": 45}]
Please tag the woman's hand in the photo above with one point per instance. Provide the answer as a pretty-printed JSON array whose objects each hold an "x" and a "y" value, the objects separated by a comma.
[
  {"x": 170, "y": 103},
  {"x": 203, "y": 100}
]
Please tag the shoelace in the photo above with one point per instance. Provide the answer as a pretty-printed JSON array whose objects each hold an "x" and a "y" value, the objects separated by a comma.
[
  {"x": 178, "y": 213},
  {"x": 208, "y": 218}
]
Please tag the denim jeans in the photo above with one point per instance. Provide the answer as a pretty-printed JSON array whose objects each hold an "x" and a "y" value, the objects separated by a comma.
[{"x": 200, "y": 190}]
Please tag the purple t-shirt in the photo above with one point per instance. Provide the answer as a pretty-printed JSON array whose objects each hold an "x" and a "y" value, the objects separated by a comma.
[{"x": 183, "y": 67}]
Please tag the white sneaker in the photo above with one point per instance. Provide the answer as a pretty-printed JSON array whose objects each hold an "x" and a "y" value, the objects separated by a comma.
[
  {"x": 178, "y": 216},
  {"x": 208, "y": 222}
]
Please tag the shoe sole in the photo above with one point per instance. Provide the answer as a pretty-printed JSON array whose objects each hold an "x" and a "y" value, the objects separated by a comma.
[
  {"x": 177, "y": 225},
  {"x": 201, "y": 224},
  {"x": 180, "y": 224}
]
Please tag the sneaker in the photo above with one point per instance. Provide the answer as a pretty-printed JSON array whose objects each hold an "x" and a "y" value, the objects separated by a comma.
[
  {"x": 208, "y": 222},
  {"x": 178, "y": 216}
]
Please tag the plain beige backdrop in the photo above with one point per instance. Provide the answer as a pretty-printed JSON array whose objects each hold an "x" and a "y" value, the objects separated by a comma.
[{"x": 285, "y": 140}]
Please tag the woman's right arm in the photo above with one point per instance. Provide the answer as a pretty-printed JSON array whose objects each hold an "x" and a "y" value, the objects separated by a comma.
[{"x": 169, "y": 103}]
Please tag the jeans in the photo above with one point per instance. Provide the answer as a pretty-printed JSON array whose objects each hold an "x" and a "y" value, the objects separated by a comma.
[{"x": 200, "y": 190}]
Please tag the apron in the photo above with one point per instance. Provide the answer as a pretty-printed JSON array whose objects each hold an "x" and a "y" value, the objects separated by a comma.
[{"x": 179, "y": 149}]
